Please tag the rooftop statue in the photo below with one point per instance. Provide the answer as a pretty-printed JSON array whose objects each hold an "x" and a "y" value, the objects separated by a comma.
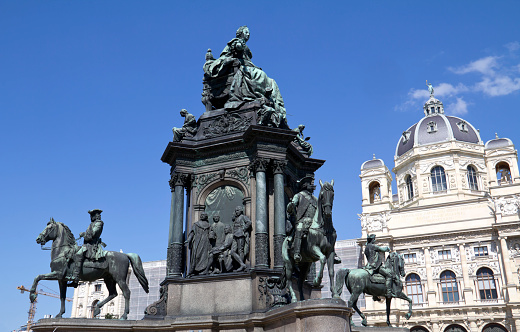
[
  {"x": 302, "y": 141},
  {"x": 233, "y": 80},
  {"x": 87, "y": 263},
  {"x": 313, "y": 236},
  {"x": 430, "y": 88},
  {"x": 376, "y": 278}
]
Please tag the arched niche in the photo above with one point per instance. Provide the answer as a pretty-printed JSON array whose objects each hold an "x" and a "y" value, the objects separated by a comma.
[{"x": 221, "y": 199}]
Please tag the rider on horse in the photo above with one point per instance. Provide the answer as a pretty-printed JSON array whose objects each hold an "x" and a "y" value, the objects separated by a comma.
[
  {"x": 92, "y": 248},
  {"x": 304, "y": 205},
  {"x": 375, "y": 262}
]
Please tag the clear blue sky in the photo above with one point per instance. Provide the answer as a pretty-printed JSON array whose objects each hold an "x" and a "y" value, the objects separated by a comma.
[{"x": 89, "y": 92}]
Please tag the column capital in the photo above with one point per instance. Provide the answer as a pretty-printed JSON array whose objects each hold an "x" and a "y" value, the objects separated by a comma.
[
  {"x": 179, "y": 179},
  {"x": 279, "y": 166},
  {"x": 258, "y": 164}
]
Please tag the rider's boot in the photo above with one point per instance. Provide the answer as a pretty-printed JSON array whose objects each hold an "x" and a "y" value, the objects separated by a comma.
[
  {"x": 77, "y": 269},
  {"x": 388, "y": 283},
  {"x": 337, "y": 260},
  {"x": 297, "y": 245}
]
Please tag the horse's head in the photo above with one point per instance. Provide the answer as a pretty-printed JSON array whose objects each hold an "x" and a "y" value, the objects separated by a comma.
[
  {"x": 326, "y": 198},
  {"x": 401, "y": 265},
  {"x": 395, "y": 261},
  {"x": 49, "y": 233}
]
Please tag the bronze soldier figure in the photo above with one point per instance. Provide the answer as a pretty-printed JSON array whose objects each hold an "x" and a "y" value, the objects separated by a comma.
[
  {"x": 303, "y": 206},
  {"x": 375, "y": 256},
  {"x": 92, "y": 247},
  {"x": 241, "y": 228}
]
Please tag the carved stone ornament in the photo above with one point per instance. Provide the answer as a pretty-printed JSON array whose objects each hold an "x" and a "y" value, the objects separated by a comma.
[
  {"x": 259, "y": 164},
  {"x": 239, "y": 173},
  {"x": 178, "y": 179},
  {"x": 273, "y": 291},
  {"x": 514, "y": 247},
  {"x": 505, "y": 206},
  {"x": 374, "y": 223},
  {"x": 227, "y": 124},
  {"x": 158, "y": 308},
  {"x": 200, "y": 181},
  {"x": 279, "y": 166}
]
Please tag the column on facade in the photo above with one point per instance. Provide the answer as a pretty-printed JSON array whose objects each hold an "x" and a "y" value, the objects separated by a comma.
[
  {"x": 174, "y": 260},
  {"x": 279, "y": 211},
  {"x": 262, "y": 226},
  {"x": 430, "y": 295},
  {"x": 468, "y": 291},
  {"x": 512, "y": 292}
]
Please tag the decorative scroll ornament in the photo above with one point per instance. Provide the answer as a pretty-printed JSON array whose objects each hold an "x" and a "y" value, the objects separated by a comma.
[
  {"x": 273, "y": 291},
  {"x": 239, "y": 173},
  {"x": 374, "y": 223},
  {"x": 203, "y": 179},
  {"x": 505, "y": 206},
  {"x": 227, "y": 124}
]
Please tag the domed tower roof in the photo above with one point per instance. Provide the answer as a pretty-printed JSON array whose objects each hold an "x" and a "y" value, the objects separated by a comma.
[
  {"x": 436, "y": 127},
  {"x": 498, "y": 143},
  {"x": 372, "y": 163}
]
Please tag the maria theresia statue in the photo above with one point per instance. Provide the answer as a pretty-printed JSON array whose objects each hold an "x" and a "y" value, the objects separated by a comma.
[
  {"x": 233, "y": 80},
  {"x": 71, "y": 263}
]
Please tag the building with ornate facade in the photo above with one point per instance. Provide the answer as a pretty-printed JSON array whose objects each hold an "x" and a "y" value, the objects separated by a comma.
[{"x": 455, "y": 219}]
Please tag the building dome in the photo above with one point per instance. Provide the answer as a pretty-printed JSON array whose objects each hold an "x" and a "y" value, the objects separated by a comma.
[
  {"x": 372, "y": 163},
  {"x": 436, "y": 127},
  {"x": 498, "y": 143}
]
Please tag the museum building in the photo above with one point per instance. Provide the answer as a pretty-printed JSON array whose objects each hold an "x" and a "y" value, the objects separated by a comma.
[{"x": 455, "y": 220}]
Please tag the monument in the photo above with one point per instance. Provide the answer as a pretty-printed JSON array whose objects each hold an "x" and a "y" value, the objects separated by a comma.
[{"x": 237, "y": 173}]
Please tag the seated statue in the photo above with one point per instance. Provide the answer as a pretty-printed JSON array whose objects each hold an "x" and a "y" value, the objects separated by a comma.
[
  {"x": 233, "y": 79},
  {"x": 189, "y": 128},
  {"x": 301, "y": 140}
]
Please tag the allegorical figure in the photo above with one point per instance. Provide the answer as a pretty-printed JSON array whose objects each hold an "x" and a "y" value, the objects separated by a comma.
[
  {"x": 199, "y": 245},
  {"x": 303, "y": 205},
  {"x": 375, "y": 257},
  {"x": 241, "y": 237},
  {"x": 189, "y": 126},
  {"x": 430, "y": 88},
  {"x": 302, "y": 140},
  {"x": 249, "y": 82},
  {"x": 92, "y": 247}
]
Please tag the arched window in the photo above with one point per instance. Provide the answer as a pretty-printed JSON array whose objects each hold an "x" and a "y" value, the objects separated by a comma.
[
  {"x": 409, "y": 186},
  {"x": 450, "y": 291},
  {"x": 438, "y": 179},
  {"x": 486, "y": 284},
  {"x": 494, "y": 327},
  {"x": 414, "y": 288},
  {"x": 503, "y": 173},
  {"x": 375, "y": 192},
  {"x": 454, "y": 328},
  {"x": 472, "y": 178},
  {"x": 93, "y": 307}
]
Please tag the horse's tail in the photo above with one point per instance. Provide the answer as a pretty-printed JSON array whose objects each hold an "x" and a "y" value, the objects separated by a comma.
[
  {"x": 137, "y": 266},
  {"x": 285, "y": 250},
  {"x": 341, "y": 278}
]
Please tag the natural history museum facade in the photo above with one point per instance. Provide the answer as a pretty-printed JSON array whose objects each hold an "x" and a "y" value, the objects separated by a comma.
[{"x": 455, "y": 219}]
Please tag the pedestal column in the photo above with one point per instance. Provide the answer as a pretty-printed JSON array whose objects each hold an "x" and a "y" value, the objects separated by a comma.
[
  {"x": 174, "y": 261},
  {"x": 431, "y": 285},
  {"x": 468, "y": 292},
  {"x": 279, "y": 211},
  {"x": 261, "y": 231}
]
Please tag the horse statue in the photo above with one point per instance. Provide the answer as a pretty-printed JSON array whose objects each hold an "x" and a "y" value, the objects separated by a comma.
[
  {"x": 359, "y": 281},
  {"x": 318, "y": 245},
  {"x": 113, "y": 268}
]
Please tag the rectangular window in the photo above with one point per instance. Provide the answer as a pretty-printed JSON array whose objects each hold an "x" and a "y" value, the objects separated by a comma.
[
  {"x": 410, "y": 258},
  {"x": 444, "y": 254},
  {"x": 481, "y": 251},
  {"x": 97, "y": 288}
]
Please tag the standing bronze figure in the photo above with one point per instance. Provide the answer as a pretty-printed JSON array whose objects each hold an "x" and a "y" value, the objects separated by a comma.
[
  {"x": 368, "y": 281},
  {"x": 317, "y": 245},
  {"x": 113, "y": 267}
]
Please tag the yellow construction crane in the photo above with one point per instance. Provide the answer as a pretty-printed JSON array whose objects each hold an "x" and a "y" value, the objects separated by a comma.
[{"x": 32, "y": 308}]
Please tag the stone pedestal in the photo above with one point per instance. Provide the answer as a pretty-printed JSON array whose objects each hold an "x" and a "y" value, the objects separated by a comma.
[{"x": 316, "y": 315}]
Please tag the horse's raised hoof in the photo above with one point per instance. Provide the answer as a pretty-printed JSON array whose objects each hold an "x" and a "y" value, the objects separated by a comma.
[
  {"x": 408, "y": 315},
  {"x": 97, "y": 311},
  {"x": 364, "y": 322},
  {"x": 32, "y": 297},
  {"x": 59, "y": 315}
]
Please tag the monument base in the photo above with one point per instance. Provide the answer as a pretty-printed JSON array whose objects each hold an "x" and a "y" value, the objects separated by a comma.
[{"x": 310, "y": 316}]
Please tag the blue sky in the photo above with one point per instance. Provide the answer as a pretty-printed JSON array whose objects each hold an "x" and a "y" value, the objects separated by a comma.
[{"x": 89, "y": 92}]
